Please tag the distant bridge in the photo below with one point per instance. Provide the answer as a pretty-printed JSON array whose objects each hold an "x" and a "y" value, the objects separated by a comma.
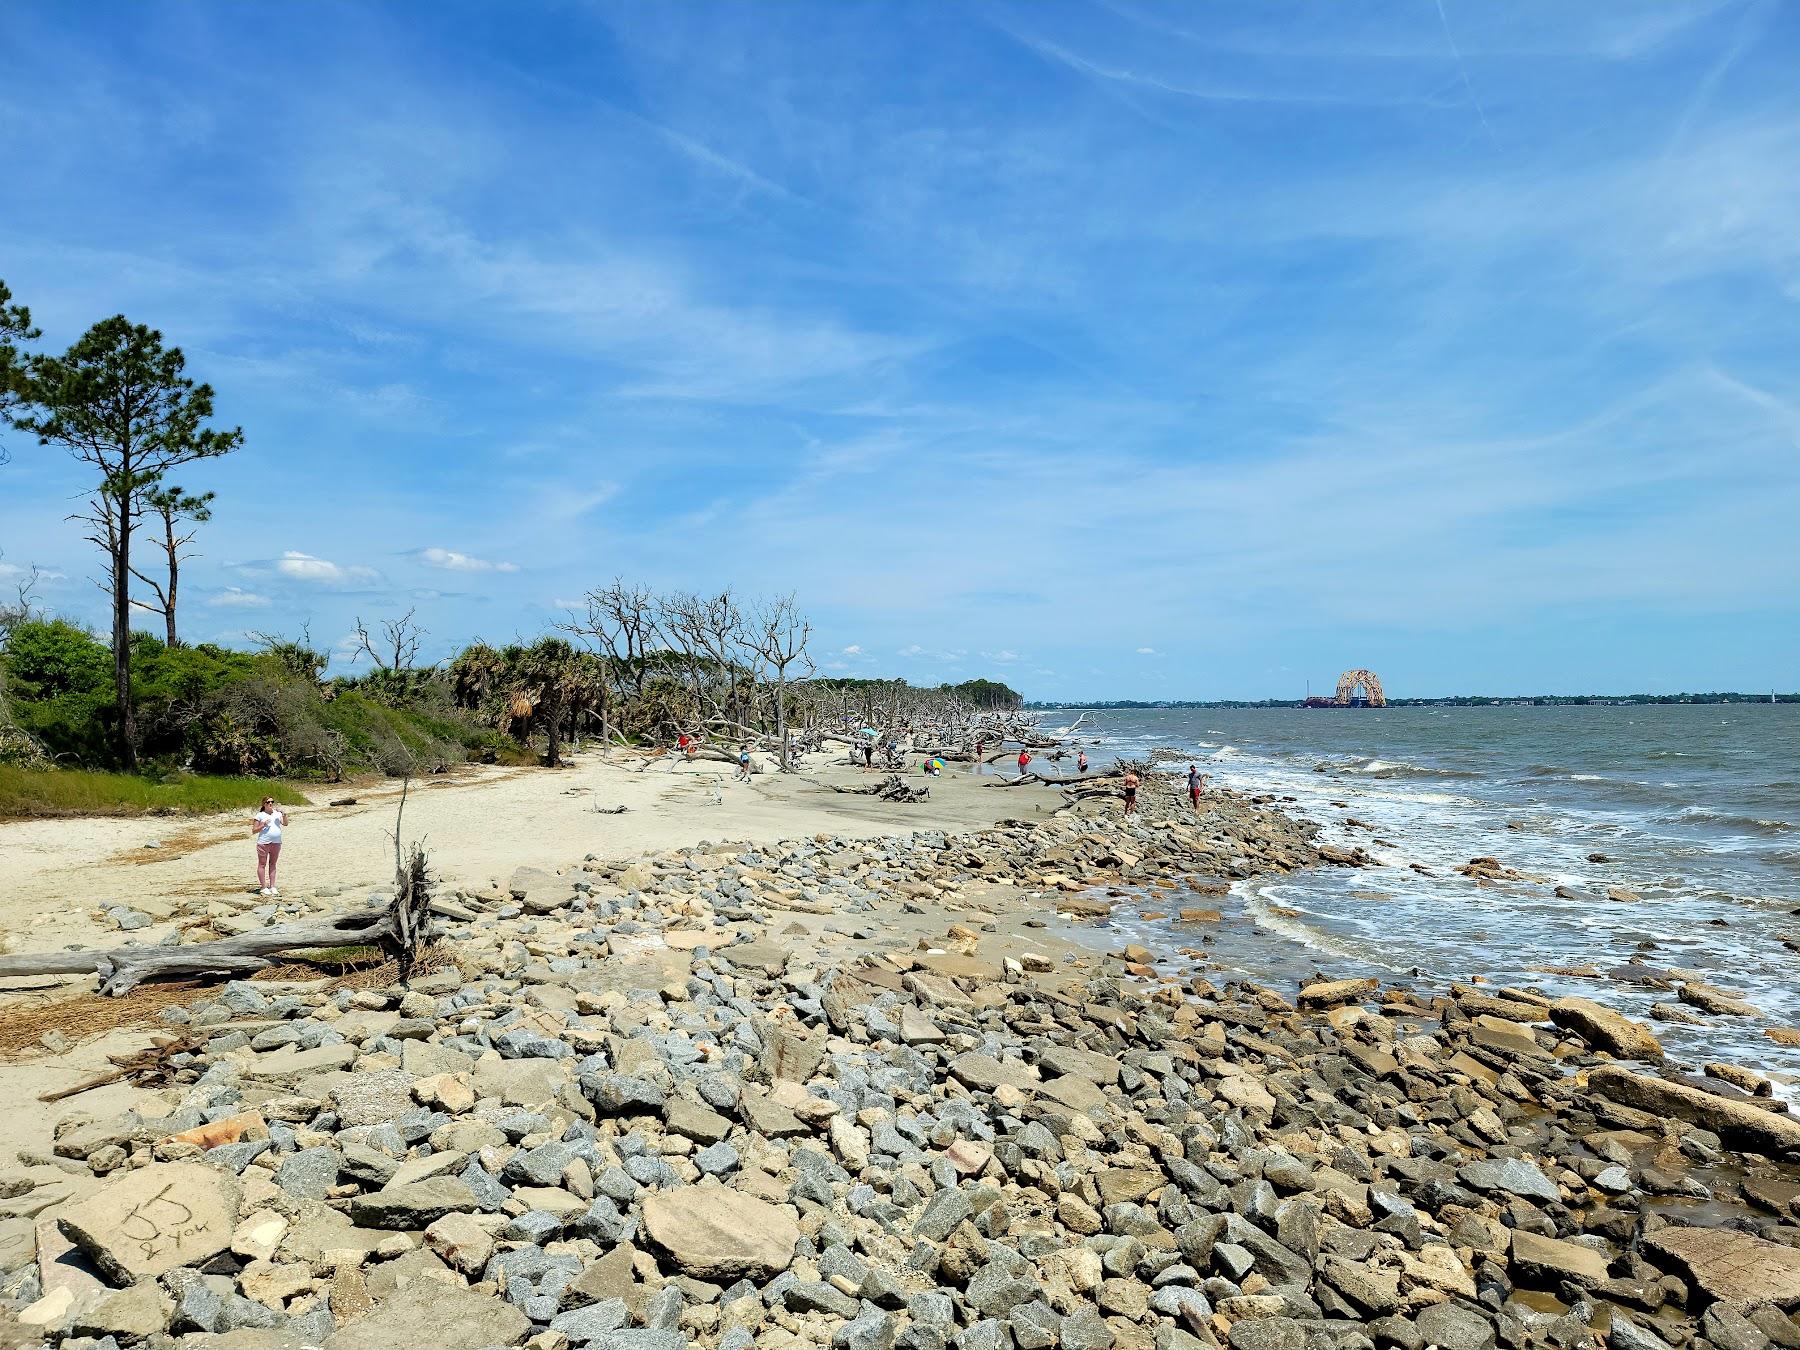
[{"x": 1359, "y": 688}]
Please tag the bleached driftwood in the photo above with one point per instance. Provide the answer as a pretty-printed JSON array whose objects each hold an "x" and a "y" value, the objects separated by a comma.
[
  {"x": 122, "y": 969},
  {"x": 893, "y": 788}
]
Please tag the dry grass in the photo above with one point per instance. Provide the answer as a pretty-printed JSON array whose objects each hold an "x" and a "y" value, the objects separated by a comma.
[{"x": 86, "y": 1016}]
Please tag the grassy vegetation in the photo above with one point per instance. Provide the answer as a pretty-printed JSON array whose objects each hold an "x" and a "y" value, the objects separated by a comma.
[{"x": 78, "y": 792}]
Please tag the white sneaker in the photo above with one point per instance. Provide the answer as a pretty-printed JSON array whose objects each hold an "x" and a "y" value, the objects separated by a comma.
[
  {"x": 272, "y": 891},
  {"x": 265, "y": 891}
]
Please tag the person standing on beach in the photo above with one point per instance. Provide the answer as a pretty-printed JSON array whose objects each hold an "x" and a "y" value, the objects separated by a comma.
[
  {"x": 1131, "y": 787},
  {"x": 267, "y": 825},
  {"x": 1081, "y": 761},
  {"x": 1196, "y": 785},
  {"x": 743, "y": 768},
  {"x": 1024, "y": 762}
]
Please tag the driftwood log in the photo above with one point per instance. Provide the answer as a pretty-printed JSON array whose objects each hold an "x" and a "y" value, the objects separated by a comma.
[
  {"x": 122, "y": 969},
  {"x": 893, "y": 788}
]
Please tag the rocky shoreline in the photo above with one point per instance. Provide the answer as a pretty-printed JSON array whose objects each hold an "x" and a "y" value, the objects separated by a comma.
[{"x": 895, "y": 1093}]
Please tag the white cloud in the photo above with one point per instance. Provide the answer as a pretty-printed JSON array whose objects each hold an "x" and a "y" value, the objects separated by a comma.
[
  {"x": 1004, "y": 656},
  {"x": 1146, "y": 651},
  {"x": 452, "y": 561},
  {"x": 914, "y": 650},
  {"x": 305, "y": 567},
  {"x": 852, "y": 650},
  {"x": 13, "y": 572},
  {"x": 234, "y": 597}
]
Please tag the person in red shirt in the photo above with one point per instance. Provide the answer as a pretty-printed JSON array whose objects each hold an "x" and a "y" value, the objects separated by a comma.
[
  {"x": 1024, "y": 761},
  {"x": 685, "y": 744}
]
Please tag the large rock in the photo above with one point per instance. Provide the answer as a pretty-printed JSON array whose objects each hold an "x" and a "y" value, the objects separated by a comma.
[
  {"x": 525, "y": 880},
  {"x": 1604, "y": 1029},
  {"x": 1730, "y": 1266},
  {"x": 413, "y": 1206},
  {"x": 1544, "y": 1263},
  {"x": 373, "y": 1098},
  {"x": 1739, "y": 1123},
  {"x": 438, "y": 1314},
  {"x": 1330, "y": 993},
  {"x": 1515, "y": 1176},
  {"x": 984, "y": 1073},
  {"x": 719, "y": 1234},
  {"x": 155, "y": 1219}
]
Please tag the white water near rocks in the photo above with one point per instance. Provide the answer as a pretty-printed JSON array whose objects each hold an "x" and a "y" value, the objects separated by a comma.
[{"x": 1696, "y": 806}]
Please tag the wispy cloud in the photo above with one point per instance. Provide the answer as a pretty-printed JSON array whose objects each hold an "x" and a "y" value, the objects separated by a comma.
[
  {"x": 452, "y": 561},
  {"x": 298, "y": 566},
  {"x": 233, "y": 597}
]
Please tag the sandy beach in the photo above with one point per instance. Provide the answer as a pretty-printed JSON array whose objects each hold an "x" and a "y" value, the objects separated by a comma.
[{"x": 477, "y": 825}]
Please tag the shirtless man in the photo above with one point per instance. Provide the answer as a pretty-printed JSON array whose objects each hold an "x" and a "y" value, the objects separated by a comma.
[{"x": 1131, "y": 787}]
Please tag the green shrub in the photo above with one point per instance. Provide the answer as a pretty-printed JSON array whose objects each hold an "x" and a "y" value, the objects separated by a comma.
[
  {"x": 76, "y": 792},
  {"x": 211, "y": 710}
]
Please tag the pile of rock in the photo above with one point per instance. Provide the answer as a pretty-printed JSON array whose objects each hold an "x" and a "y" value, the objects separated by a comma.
[{"x": 640, "y": 1115}]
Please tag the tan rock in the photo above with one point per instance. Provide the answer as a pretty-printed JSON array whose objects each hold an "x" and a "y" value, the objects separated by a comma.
[
  {"x": 1737, "y": 1123},
  {"x": 155, "y": 1219},
  {"x": 1731, "y": 1266},
  {"x": 1117, "y": 1184},
  {"x": 1604, "y": 1029},
  {"x": 258, "y": 1235},
  {"x": 1245, "y": 1092},
  {"x": 131, "y": 1314},
  {"x": 1717, "y": 1002},
  {"x": 1330, "y": 993},
  {"x": 715, "y": 1233},
  {"x": 462, "y": 1243},
  {"x": 969, "y": 1156},
  {"x": 1740, "y": 1078},
  {"x": 1543, "y": 1263},
  {"x": 432, "y": 1313},
  {"x": 449, "y": 1092}
]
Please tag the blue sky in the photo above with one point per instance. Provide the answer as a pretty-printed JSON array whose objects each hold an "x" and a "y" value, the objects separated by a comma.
[{"x": 1114, "y": 350}]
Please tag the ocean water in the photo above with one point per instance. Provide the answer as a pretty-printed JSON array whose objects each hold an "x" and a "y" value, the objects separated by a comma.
[{"x": 1697, "y": 807}]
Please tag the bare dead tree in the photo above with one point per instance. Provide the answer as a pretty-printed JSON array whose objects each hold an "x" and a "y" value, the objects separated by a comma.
[
  {"x": 23, "y": 607},
  {"x": 710, "y": 632},
  {"x": 780, "y": 634},
  {"x": 398, "y": 645},
  {"x": 411, "y": 908},
  {"x": 179, "y": 515}
]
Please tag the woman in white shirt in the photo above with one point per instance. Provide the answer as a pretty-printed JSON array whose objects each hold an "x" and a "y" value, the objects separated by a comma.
[{"x": 266, "y": 825}]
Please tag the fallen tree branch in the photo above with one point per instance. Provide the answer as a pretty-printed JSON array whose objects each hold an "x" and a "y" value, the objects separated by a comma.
[
  {"x": 893, "y": 788},
  {"x": 122, "y": 969}
]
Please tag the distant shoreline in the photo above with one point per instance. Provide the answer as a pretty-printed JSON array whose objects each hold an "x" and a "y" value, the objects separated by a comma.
[{"x": 1455, "y": 701}]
